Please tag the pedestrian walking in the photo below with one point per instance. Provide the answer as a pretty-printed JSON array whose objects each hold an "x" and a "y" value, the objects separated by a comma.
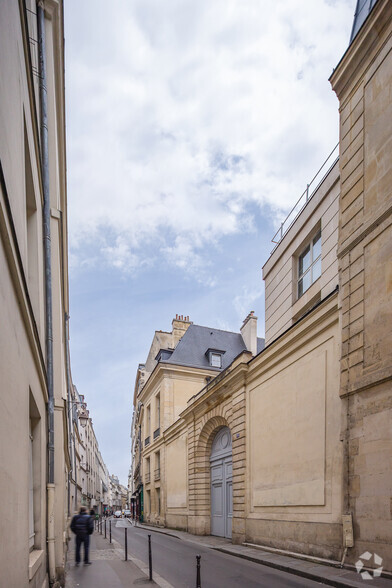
[{"x": 82, "y": 525}]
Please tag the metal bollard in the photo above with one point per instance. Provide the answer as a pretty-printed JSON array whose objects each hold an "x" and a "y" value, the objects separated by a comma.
[
  {"x": 198, "y": 580},
  {"x": 105, "y": 528},
  {"x": 126, "y": 544},
  {"x": 149, "y": 558},
  {"x": 110, "y": 530},
  {"x": 101, "y": 526}
]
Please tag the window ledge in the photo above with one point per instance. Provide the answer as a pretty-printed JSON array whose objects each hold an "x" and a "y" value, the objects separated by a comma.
[
  {"x": 36, "y": 557},
  {"x": 307, "y": 300}
]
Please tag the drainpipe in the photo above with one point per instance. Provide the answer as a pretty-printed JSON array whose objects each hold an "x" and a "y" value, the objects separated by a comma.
[
  {"x": 70, "y": 412},
  {"x": 48, "y": 286}
]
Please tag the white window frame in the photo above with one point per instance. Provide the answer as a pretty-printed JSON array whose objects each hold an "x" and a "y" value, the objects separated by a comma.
[{"x": 313, "y": 260}]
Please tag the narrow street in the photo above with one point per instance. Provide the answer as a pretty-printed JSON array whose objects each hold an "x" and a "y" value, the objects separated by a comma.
[{"x": 175, "y": 561}]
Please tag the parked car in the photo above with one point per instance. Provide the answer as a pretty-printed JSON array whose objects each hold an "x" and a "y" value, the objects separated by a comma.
[
  {"x": 118, "y": 514},
  {"x": 127, "y": 513}
]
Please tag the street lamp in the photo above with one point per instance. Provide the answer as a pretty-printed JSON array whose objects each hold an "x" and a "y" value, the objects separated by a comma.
[
  {"x": 83, "y": 413},
  {"x": 83, "y": 417}
]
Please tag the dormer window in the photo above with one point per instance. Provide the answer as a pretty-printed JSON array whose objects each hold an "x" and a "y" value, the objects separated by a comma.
[
  {"x": 164, "y": 354},
  {"x": 215, "y": 357}
]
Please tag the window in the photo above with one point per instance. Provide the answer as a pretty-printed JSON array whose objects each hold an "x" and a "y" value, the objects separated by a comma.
[
  {"x": 33, "y": 238},
  {"x": 148, "y": 501},
  {"x": 148, "y": 420},
  {"x": 31, "y": 493},
  {"x": 216, "y": 360},
  {"x": 158, "y": 410},
  {"x": 309, "y": 264},
  {"x": 34, "y": 480},
  {"x": 157, "y": 473},
  {"x": 158, "y": 496},
  {"x": 214, "y": 357}
]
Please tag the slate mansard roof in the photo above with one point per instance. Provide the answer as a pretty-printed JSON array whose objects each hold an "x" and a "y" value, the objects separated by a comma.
[
  {"x": 196, "y": 341},
  {"x": 363, "y": 9}
]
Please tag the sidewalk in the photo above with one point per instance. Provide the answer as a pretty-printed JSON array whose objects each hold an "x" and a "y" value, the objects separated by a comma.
[
  {"x": 331, "y": 575},
  {"x": 108, "y": 567}
]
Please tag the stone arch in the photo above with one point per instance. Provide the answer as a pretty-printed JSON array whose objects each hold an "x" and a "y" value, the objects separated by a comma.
[{"x": 207, "y": 434}]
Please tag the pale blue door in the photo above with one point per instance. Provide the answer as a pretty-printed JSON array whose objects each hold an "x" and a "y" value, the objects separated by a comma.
[{"x": 221, "y": 484}]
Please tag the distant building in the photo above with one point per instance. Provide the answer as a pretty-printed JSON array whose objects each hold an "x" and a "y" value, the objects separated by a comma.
[
  {"x": 180, "y": 363},
  {"x": 91, "y": 472},
  {"x": 116, "y": 491}
]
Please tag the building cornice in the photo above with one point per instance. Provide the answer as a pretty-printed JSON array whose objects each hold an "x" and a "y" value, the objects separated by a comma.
[{"x": 362, "y": 50}]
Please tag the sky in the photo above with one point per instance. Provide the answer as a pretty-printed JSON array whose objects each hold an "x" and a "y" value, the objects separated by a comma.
[{"x": 192, "y": 129}]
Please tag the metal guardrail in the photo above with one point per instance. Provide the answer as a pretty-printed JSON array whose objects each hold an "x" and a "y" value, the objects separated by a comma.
[{"x": 310, "y": 190}]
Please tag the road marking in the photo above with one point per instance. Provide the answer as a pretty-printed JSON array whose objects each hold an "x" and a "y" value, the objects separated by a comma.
[{"x": 119, "y": 549}]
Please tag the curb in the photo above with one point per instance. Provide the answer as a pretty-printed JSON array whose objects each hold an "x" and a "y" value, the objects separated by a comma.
[
  {"x": 286, "y": 568},
  {"x": 339, "y": 583},
  {"x": 156, "y": 530}
]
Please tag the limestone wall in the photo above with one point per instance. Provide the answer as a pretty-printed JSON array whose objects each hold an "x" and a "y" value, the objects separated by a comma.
[
  {"x": 294, "y": 450},
  {"x": 363, "y": 83}
]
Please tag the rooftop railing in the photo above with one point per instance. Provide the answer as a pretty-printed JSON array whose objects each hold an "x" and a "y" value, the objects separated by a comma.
[{"x": 309, "y": 192}]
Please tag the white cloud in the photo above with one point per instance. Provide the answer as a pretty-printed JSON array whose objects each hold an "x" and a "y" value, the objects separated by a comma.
[
  {"x": 245, "y": 300},
  {"x": 181, "y": 114}
]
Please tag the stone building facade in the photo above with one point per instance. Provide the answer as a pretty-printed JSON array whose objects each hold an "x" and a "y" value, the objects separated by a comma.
[
  {"x": 192, "y": 356},
  {"x": 289, "y": 447},
  {"x": 363, "y": 84},
  {"x": 33, "y": 359}
]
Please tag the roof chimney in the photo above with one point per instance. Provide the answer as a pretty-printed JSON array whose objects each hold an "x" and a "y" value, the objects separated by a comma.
[
  {"x": 249, "y": 332},
  {"x": 179, "y": 326}
]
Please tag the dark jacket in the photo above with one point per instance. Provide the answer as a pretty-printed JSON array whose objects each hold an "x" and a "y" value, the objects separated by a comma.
[{"x": 82, "y": 525}]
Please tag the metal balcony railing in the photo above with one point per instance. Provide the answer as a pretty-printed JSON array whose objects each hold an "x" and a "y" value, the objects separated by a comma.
[
  {"x": 157, "y": 474},
  {"x": 147, "y": 441},
  {"x": 311, "y": 188},
  {"x": 157, "y": 432}
]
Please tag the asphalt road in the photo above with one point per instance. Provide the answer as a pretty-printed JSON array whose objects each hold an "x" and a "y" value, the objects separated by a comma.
[{"x": 175, "y": 561}]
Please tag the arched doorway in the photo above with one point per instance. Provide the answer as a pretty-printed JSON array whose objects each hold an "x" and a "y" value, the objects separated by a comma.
[{"x": 221, "y": 465}]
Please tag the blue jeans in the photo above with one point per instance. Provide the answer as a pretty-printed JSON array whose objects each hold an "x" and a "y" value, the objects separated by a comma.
[{"x": 85, "y": 539}]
